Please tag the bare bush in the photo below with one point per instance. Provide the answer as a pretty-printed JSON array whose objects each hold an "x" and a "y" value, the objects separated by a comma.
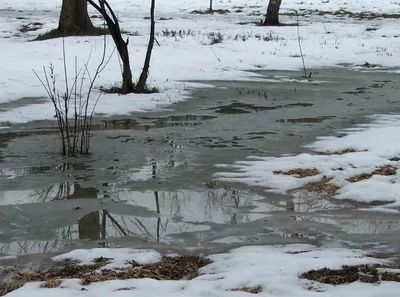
[{"x": 71, "y": 106}]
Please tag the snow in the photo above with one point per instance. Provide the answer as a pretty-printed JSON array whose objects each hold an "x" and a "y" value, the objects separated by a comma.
[
  {"x": 275, "y": 268},
  {"x": 374, "y": 143},
  {"x": 189, "y": 56},
  {"x": 120, "y": 256},
  {"x": 326, "y": 41}
]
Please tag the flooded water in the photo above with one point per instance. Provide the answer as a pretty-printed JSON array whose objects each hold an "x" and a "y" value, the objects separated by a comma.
[{"x": 148, "y": 181}]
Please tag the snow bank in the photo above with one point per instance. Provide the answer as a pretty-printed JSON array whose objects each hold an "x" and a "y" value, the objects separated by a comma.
[
  {"x": 189, "y": 55},
  {"x": 275, "y": 268}
]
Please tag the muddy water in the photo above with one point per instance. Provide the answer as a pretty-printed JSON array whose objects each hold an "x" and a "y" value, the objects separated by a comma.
[{"x": 148, "y": 182}]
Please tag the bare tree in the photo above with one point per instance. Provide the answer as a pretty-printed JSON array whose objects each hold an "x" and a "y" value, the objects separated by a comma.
[
  {"x": 122, "y": 46},
  {"x": 141, "y": 85},
  {"x": 74, "y": 18},
  {"x": 272, "y": 18}
]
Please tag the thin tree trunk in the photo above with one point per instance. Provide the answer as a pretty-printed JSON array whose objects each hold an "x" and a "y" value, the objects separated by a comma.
[
  {"x": 211, "y": 5},
  {"x": 272, "y": 18},
  {"x": 74, "y": 18},
  {"x": 120, "y": 43},
  {"x": 127, "y": 83},
  {"x": 141, "y": 85}
]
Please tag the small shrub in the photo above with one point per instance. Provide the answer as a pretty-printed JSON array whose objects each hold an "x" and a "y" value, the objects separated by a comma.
[{"x": 215, "y": 37}]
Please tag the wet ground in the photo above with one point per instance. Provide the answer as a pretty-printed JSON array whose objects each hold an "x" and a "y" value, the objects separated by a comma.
[{"x": 148, "y": 181}]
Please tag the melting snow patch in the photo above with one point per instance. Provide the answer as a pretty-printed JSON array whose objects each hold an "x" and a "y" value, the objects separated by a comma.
[
  {"x": 361, "y": 164},
  {"x": 274, "y": 270}
]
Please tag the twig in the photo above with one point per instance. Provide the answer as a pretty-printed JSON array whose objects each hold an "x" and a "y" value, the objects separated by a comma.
[{"x": 301, "y": 50}]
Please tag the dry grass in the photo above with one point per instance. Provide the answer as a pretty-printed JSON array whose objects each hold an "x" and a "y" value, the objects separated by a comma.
[
  {"x": 170, "y": 268},
  {"x": 322, "y": 186},
  {"x": 341, "y": 152},
  {"x": 125, "y": 289},
  {"x": 252, "y": 290},
  {"x": 297, "y": 252},
  {"x": 383, "y": 170},
  {"x": 64, "y": 269},
  {"x": 299, "y": 172},
  {"x": 51, "y": 283},
  {"x": 8, "y": 288},
  {"x": 395, "y": 159},
  {"x": 350, "y": 274}
]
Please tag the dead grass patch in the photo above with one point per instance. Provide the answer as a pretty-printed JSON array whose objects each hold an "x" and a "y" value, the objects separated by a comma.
[
  {"x": 252, "y": 290},
  {"x": 51, "y": 283},
  {"x": 124, "y": 289},
  {"x": 341, "y": 152},
  {"x": 169, "y": 268},
  {"x": 208, "y": 11},
  {"x": 350, "y": 274},
  {"x": 64, "y": 269},
  {"x": 299, "y": 172},
  {"x": 322, "y": 186},
  {"x": 8, "y": 288},
  {"x": 383, "y": 170},
  {"x": 297, "y": 252}
]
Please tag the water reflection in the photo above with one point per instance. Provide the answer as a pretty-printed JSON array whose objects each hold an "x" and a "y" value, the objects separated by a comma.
[
  {"x": 54, "y": 192},
  {"x": 178, "y": 216},
  {"x": 178, "y": 213},
  {"x": 371, "y": 226},
  {"x": 12, "y": 173}
]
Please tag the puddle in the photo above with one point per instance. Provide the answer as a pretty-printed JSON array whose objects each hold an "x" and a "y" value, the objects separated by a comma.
[
  {"x": 170, "y": 217},
  {"x": 146, "y": 123},
  {"x": 371, "y": 226},
  {"x": 4, "y": 106},
  {"x": 13, "y": 173},
  {"x": 148, "y": 181}
]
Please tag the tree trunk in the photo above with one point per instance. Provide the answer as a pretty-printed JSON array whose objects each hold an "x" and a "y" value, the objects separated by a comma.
[
  {"x": 141, "y": 85},
  {"x": 127, "y": 84},
  {"x": 122, "y": 46},
  {"x": 74, "y": 18},
  {"x": 211, "y": 6},
  {"x": 272, "y": 18}
]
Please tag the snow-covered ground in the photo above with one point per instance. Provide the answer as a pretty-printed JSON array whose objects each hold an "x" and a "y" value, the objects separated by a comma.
[
  {"x": 187, "y": 52},
  {"x": 370, "y": 147},
  {"x": 188, "y": 55},
  {"x": 276, "y": 269}
]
